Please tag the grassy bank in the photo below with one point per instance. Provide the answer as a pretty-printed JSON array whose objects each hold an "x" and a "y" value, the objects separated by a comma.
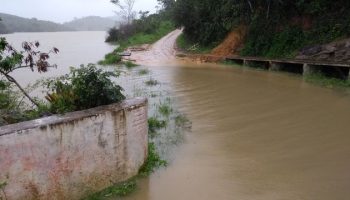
[
  {"x": 139, "y": 38},
  {"x": 185, "y": 45},
  {"x": 145, "y": 37}
]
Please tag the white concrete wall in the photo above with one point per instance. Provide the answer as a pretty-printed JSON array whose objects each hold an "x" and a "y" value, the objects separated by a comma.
[{"x": 70, "y": 156}]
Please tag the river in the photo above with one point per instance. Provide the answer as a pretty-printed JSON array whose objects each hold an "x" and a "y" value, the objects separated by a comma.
[{"x": 256, "y": 135}]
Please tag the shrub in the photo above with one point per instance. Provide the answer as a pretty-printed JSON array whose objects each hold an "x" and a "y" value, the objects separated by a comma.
[{"x": 83, "y": 88}]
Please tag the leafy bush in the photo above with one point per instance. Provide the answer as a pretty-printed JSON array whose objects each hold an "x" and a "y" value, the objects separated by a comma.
[{"x": 83, "y": 88}]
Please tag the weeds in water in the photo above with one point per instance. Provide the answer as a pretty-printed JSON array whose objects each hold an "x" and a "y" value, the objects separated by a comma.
[
  {"x": 320, "y": 79},
  {"x": 118, "y": 190},
  {"x": 152, "y": 82},
  {"x": 182, "y": 121},
  {"x": 143, "y": 72},
  {"x": 129, "y": 64},
  {"x": 232, "y": 63},
  {"x": 153, "y": 161},
  {"x": 111, "y": 59},
  {"x": 153, "y": 95},
  {"x": 165, "y": 110},
  {"x": 2, "y": 189},
  {"x": 154, "y": 125}
]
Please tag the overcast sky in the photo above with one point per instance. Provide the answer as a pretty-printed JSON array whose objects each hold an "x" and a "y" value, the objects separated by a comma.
[{"x": 66, "y": 10}]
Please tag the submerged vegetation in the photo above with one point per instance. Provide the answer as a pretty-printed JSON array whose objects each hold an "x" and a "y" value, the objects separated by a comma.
[
  {"x": 118, "y": 190},
  {"x": 153, "y": 161},
  {"x": 143, "y": 72},
  {"x": 129, "y": 64},
  {"x": 151, "y": 82},
  {"x": 154, "y": 125},
  {"x": 320, "y": 79},
  {"x": 111, "y": 59}
]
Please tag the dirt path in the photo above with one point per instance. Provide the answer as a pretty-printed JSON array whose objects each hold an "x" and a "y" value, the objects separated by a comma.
[{"x": 163, "y": 51}]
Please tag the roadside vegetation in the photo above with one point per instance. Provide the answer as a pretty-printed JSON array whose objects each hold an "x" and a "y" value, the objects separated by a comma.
[
  {"x": 146, "y": 29},
  {"x": 276, "y": 28},
  {"x": 188, "y": 46}
]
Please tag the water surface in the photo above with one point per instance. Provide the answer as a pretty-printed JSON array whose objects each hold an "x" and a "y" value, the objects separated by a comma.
[{"x": 256, "y": 136}]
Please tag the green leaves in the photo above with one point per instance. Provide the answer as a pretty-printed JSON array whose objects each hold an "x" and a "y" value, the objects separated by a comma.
[{"x": 83, "y": 88}]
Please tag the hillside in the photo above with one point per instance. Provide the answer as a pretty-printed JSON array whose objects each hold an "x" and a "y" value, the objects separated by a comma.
[
  {"x": 91, "y": 23},
  {"x": 275, "y": 29},
  {"x": 12, "y": 23}
]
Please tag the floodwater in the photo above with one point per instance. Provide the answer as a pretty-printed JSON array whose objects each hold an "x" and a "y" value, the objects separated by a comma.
[{"x": 255, "y": 135}]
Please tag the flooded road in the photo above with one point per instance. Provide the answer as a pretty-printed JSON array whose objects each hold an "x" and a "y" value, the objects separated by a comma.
[{"x": 256, "y": 135}]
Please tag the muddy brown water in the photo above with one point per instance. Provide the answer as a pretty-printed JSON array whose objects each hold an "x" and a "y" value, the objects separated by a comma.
[{"x": 256, "y": 136}]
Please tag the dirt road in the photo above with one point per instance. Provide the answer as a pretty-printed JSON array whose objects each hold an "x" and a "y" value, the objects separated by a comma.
[{"x": 163, "y": 51}]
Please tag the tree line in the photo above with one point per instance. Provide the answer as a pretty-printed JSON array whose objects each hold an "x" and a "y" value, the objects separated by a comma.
[{"x": 306, "y": 21}]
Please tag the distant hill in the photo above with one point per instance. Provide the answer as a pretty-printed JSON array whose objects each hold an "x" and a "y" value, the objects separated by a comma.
[
  {"x": 91, "y": 23},
  {"x": 12, "y": 23},
  {"x": 3, "y": 29}
]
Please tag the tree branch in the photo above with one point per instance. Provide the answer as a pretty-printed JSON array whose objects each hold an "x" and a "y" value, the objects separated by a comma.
[{"x": 11, "y": 79}]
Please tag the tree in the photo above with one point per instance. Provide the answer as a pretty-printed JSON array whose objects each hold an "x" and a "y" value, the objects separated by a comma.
[
  {"x": 126, "y": 9},
  {"x": 30, "y": 57}
]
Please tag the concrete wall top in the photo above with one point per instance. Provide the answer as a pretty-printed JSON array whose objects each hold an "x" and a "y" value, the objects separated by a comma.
[{"x": 66, "y": 118}]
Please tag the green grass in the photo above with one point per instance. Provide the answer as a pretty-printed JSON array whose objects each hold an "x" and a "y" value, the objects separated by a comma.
[
  {"x": 129, "y": 64},
  {"x": 111, "y": 59},
  {"x": 190, "y": 47},
  {"x": 328, "y": 82},
  {"x": 154, "y": 125},
  {"x": 153, "y": 161},
  {"x": 164, "y": 28},
  {"x": 165, "y": 110},
  {"x": 118, "y": 190}
]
